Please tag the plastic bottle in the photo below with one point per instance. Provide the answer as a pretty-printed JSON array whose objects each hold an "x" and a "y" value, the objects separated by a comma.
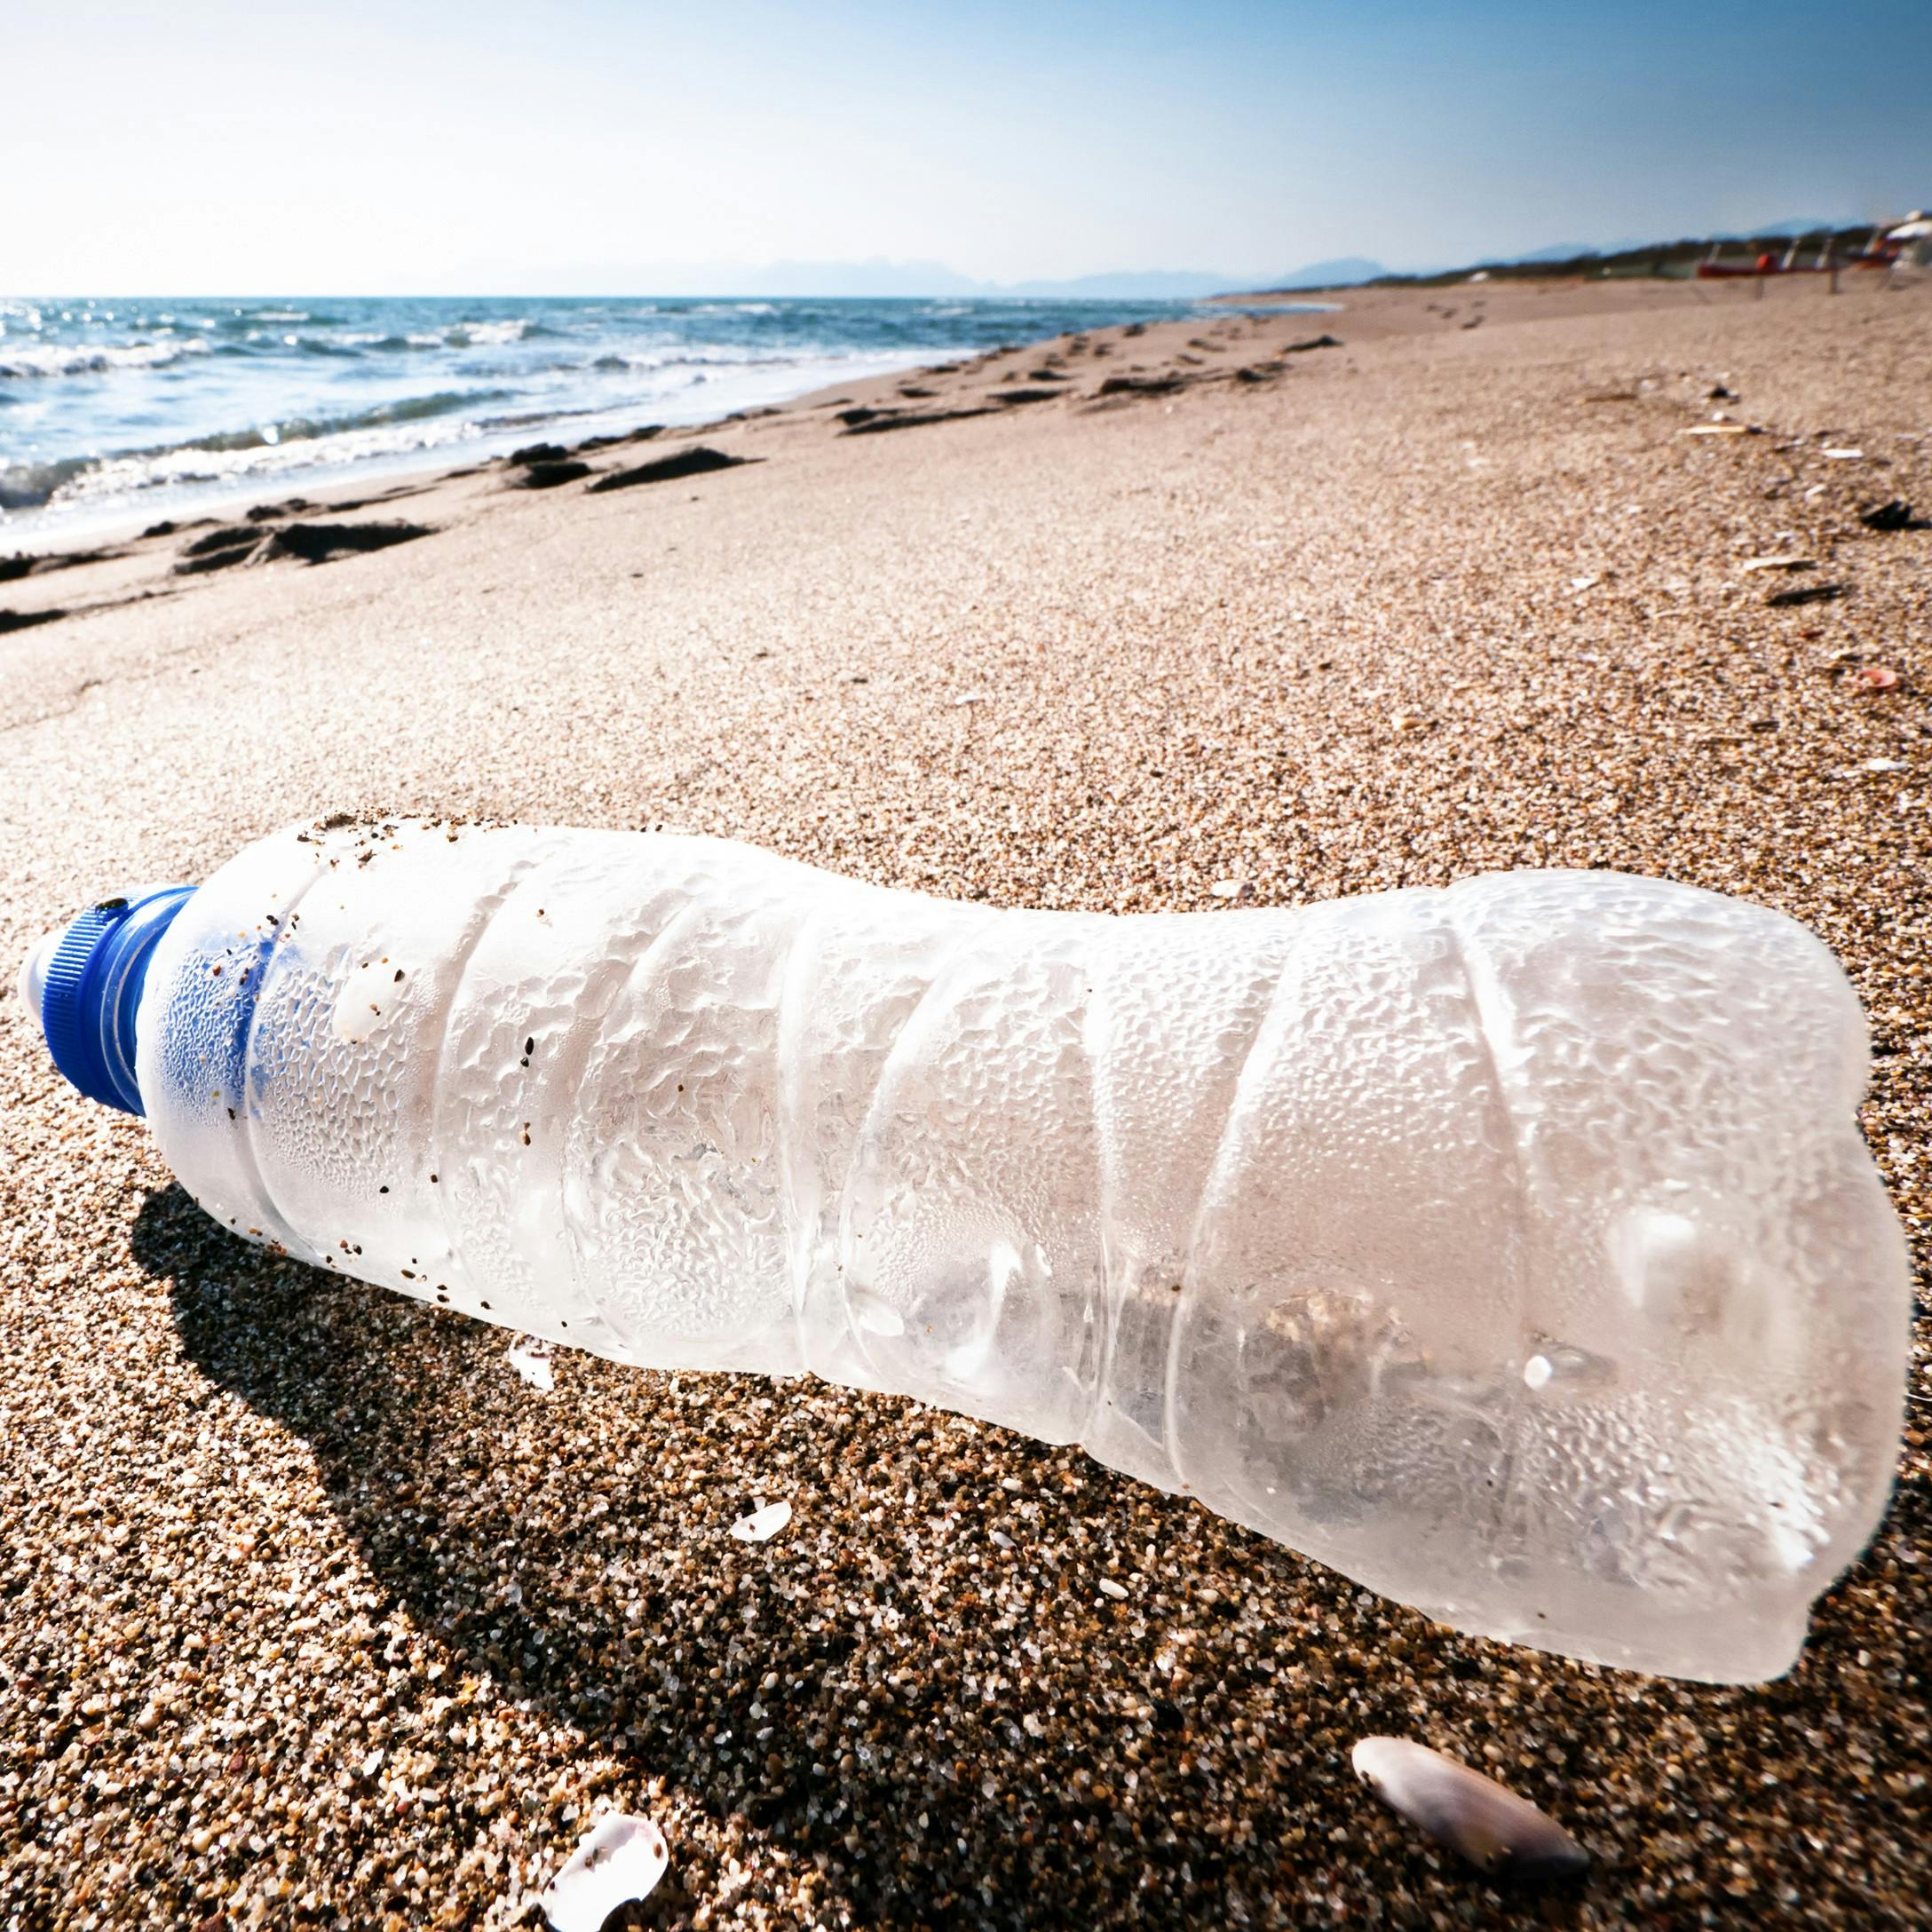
[{"x": 1511, "y": 1249}]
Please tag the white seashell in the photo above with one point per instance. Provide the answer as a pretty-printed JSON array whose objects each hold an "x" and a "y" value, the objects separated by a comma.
[
  {"x": 1489, "y": 1826},
  {"x": 762, "y": 1525},
  {"x": 618, "y": 1864},
  {"x": 531, "y": 1360}
]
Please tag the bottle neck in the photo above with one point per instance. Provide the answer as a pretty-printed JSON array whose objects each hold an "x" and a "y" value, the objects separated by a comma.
[{"x": 91, "y": 992}]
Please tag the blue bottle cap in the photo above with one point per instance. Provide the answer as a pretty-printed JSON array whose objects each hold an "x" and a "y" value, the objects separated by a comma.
[{"x": 92, "y": 992}]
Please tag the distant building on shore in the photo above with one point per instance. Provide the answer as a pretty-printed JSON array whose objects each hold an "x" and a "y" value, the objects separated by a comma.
[{"x": 1913, "y": 238}]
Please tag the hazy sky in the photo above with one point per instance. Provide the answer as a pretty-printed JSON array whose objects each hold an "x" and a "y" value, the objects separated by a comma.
[{"x": 425, "y": 145}]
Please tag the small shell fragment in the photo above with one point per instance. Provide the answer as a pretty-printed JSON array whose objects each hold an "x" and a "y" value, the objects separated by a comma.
[
  {"x": 620, "y": 1863},
  {"x": 1493, "y": 1828},
  {"x": 762, "y": 1525},
  {"x": 530, "y": 1356}
]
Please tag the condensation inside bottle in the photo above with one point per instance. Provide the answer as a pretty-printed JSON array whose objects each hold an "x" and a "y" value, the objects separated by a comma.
[{"x": 1510, "y": 1247}]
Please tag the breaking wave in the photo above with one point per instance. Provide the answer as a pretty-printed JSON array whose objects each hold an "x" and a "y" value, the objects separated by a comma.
[{"x": 89, "y": 358}]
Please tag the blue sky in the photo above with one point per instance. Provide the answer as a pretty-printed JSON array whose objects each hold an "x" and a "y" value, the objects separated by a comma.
[{"x": 422, "y": 146}]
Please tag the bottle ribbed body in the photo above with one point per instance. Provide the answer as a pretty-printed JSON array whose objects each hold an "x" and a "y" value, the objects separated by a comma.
[{"x": 1512, "y": 1247}]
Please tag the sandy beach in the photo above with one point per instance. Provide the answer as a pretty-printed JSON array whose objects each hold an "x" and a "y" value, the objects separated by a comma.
[{"x": 314, "y": 1614}]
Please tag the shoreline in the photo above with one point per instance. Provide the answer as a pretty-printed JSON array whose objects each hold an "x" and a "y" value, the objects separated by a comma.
[
  {"x": 74, "y": 523},
  {"x": 70, "y": 528},
  {"x": 882, "y": 392},
  {"x": 1376, "y": 313},
  {"x": 312, "y": 1599}
]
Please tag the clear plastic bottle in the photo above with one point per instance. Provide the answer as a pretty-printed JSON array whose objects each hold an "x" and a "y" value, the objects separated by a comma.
[{"x": 1510, "y": 1247}]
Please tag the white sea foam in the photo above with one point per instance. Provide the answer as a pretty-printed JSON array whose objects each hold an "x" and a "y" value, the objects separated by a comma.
[
  {"x": 124, "y": 476},
  {"x": 483, "y": 335},
  {"x": 680, "y": 357},
  {"x": 88, "y": 359}
]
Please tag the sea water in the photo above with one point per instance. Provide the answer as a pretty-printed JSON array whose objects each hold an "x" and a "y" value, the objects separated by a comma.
[{"x": 113, "y": 411}]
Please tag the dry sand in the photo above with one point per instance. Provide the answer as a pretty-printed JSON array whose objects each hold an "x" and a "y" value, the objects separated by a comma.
[{"x": 314, "y": 1614}]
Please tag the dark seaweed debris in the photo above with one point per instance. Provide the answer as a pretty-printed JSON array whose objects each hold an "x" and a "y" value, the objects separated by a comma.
[{"x": 695, "y": 461}]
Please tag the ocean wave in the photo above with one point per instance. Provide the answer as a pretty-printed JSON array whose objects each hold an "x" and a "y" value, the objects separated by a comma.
[
  {"x": 90, "y": 358},
  {"x": 245, "y": 318},
  {"x": 519, "y": 419},
  {"x": 269, "y": 346},
  {"x": 245, "y": 458},
  {"x": 484, "y": 334},
  {"x": 26, "y": 485},
  {"x": 302, "y": 429},
  {"x": 688, "y": 358}
]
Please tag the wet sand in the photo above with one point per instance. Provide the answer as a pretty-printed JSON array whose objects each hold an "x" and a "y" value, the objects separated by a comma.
[{"x": 315, "y": 1614}]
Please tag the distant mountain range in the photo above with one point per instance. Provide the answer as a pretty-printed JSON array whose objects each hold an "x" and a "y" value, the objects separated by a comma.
[
  {"x": 1342, "y": 273},
  {"x": 1800, "y": 224},
  {"x": 881, "y": 278},
  {"x": 1570, "y": 252},
  {"x": 1350, "y": 270}
]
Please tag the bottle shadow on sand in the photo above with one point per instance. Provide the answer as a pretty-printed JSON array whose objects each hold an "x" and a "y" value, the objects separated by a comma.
[{"x": 869, "y": 1692}]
